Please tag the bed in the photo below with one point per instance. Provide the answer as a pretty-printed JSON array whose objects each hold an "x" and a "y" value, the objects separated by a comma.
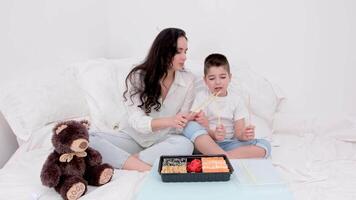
[{"x": 315, "y": 155}]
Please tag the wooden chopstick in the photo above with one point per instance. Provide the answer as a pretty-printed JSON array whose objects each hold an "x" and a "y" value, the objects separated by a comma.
[
  {"x": 249, "y": 109},
  {"x": 249, "y": 174},
  {"x": 206, "y": 102}
]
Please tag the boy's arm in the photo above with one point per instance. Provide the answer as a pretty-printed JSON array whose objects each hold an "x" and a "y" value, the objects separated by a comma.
[
  {"x": 241, "y": 113},
  {"x": 218, "y": 134},
  {"x": 243, "y": 132},
  {"x": 239, "y": 128}
]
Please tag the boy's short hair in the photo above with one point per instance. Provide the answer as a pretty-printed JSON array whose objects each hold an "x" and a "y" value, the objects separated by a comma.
[{"x": 216, "y": 60}]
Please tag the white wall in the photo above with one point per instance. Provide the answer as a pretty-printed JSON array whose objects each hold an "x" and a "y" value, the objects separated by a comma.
[
  {"x": 41, "y": 34},
  {"x": 308, "y": 47}
]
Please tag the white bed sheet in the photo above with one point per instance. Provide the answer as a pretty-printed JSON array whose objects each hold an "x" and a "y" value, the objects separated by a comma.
[
  {"x": 315, "y": 165},
  {"x": 20, "y": 180}
]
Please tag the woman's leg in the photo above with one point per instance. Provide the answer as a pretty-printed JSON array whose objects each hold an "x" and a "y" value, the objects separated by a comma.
[
  {"x": 172, "y": 145},
  {"x": 134, "y": 163},
  {"x": 118, "y": 150}
]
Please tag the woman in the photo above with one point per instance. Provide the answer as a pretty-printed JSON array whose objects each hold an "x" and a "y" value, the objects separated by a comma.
[{"x": 158, "y": 97}]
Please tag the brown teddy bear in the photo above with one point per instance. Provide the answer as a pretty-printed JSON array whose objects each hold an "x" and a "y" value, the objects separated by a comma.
[{"x": 73, "y": 164}]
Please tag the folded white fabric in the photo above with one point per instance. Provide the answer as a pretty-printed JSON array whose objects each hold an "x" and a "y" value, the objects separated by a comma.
[
  {"x": 31, "y": 101},
  {"x": 103, "y": 82},
  {"x": 342, "y": 127}
]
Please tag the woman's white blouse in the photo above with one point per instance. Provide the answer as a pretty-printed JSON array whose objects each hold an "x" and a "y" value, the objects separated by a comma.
[{"x": 179, "y": 99}]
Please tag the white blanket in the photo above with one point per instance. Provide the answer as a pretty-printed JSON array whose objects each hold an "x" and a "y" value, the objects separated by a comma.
[
  {"x": 315, "y": 163},
  {"x": 317, "y": 157}
]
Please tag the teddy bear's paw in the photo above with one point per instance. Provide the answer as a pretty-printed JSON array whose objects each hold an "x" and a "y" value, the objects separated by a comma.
[
  {"x": 76, "y": 191},
  {"x": 106, "y": 176}
]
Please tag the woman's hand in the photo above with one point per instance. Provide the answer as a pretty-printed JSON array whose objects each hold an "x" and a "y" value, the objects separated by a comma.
[
  {"x": 219, "y": 133},
  {"x": 178, "y": 121},
  {"x": 202, "y": 119},
  {"x": 248, "y": 133}
]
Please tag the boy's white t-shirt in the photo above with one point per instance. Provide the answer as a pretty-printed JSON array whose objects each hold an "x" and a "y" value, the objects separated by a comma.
[{"x": 230, "y": 108}]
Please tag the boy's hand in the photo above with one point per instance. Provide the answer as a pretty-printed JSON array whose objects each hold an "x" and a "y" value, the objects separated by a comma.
[
  {"x": 248, "y": 133},
  {"x": 191, "y": 116},
  {"x": 219, "y": 133},
  {"x": 202, "y": 119}
]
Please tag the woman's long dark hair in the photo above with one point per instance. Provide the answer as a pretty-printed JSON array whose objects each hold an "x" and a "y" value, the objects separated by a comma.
[{"x": 153, "y": 69}]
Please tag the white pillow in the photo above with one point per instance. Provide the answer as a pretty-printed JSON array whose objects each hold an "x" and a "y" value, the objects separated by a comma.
[
  {"x": 32, "y": 101},
  {"x": 262, "y": 97},
  {"x": 340, "y": 127},
  {"x": 297, "y": 124},
  {"x": 103, "y": 83}
]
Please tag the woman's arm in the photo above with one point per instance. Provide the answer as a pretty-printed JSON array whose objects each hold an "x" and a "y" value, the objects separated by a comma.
[
  {"x": 145, "y": 124},
  {"x": 189, "y": 98},
  {"x": 136, "y": 117},
  {"x": 177, "y": 121}
]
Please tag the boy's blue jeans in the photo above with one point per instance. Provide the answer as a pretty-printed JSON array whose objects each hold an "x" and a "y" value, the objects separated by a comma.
[{"x": 194, "y": 130}]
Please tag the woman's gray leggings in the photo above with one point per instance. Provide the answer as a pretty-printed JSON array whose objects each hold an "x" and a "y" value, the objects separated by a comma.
[{"x": 116, "y": 148}]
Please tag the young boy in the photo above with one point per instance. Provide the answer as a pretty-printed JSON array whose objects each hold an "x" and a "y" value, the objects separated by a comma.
[{"x": 219, "y": 127}]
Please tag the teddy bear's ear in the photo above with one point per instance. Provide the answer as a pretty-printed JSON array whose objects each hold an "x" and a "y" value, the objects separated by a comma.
[
  {"x": 59, "y": 128},
  {"x": 85, "y": 123}
]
